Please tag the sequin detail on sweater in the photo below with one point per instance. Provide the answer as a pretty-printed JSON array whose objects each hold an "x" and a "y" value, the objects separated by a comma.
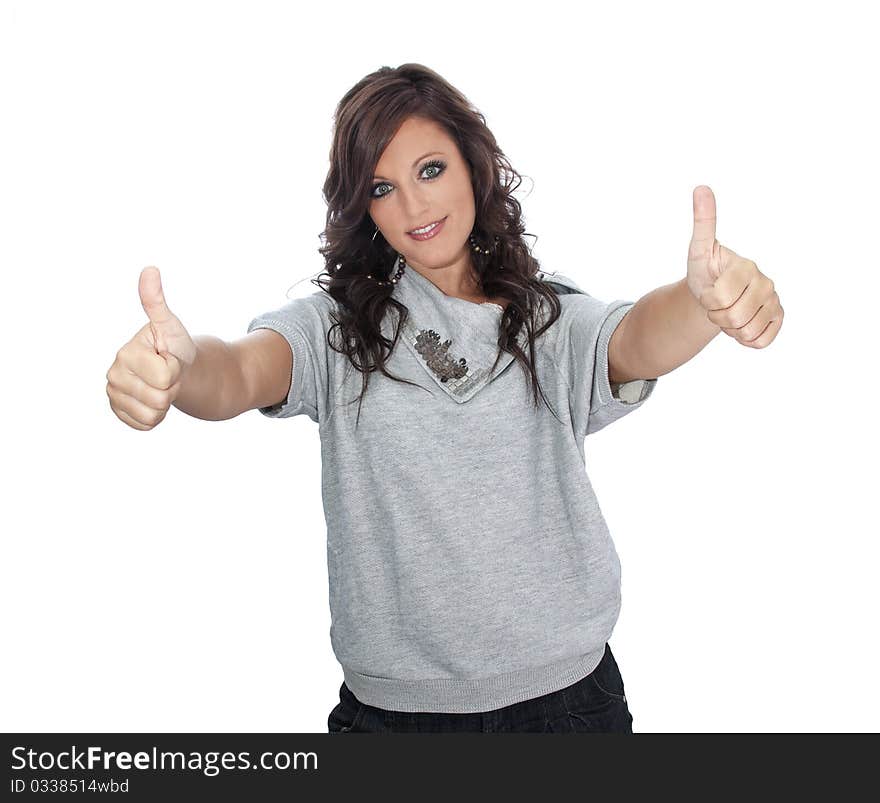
[{"x": 436, "y": 354}]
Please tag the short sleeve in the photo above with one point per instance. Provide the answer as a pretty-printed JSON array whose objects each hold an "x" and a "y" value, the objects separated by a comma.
[
  {"x": 595, "y": 402},
  {"x": 304, "y": 323}
]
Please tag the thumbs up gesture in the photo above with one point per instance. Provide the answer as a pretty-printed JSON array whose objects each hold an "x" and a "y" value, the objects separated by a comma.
[
  {"x": 145, "y": 377},
  {"x": 168, "y": 336},
  {"x": 737, "y": 297}
]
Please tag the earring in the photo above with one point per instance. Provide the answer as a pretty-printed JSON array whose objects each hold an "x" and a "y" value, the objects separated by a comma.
[
  {"x": 479, "y": 250},
  {"x": 401, "y": 265}
]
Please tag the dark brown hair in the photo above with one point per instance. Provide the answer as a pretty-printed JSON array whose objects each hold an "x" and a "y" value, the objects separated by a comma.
[{"x": 365, "y": 121}]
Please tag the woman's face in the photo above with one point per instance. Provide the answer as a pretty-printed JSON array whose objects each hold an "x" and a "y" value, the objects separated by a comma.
[{"x": 420, "y": 178}]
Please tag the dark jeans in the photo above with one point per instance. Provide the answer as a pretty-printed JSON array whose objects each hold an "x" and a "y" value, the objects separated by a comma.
[{"x": 595, "y": 704}]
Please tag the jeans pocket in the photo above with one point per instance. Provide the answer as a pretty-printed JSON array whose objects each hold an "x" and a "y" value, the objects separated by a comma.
[
  {"x": 619, "y": 697},
  {"x": 605, "y": 679},
  {"x": 347, "y": 714}
]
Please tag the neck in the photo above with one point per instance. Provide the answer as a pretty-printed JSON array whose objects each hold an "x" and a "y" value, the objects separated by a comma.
[{"x": 457, "y": 279}]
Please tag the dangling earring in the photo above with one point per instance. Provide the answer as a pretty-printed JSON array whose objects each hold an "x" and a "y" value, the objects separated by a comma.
[
  {"x": 480, "y": 250},
  {"x": 401, "y": 265}
]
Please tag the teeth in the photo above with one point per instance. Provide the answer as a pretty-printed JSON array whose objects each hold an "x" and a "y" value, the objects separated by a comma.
[{"x": 424, "y": 230}]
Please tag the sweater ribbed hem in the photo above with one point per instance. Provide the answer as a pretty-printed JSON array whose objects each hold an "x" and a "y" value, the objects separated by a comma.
[{"x": 453, "y": 696}]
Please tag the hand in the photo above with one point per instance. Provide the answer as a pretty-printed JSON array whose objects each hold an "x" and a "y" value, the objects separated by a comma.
[
  {"x": 737, "y": 297},
  {"x": 145, "y": 377}
]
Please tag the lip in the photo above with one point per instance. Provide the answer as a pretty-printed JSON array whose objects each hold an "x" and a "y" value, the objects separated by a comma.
[{"x": 431, "y": 234}]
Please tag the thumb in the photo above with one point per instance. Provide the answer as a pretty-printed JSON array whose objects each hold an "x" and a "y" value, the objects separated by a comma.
[
  {"x": 152, "y": 297},
  {"x": 703, "y": 238},
  {"x": 153, "y": 302}
]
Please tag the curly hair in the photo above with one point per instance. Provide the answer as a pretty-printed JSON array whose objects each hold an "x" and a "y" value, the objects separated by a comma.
[{"x": 365, "y": 121}]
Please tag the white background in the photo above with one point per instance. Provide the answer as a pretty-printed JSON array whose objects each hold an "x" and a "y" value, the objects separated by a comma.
[{"x": 176, "y": 580}]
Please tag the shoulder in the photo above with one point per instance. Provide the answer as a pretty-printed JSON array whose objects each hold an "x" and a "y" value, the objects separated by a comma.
[
  {"x": 324, "y": 305},
  {"x": 310, "y": 315},
  {"x": 563, "y": 285},
  {"x": 315, "y": 308},
  {"x": 577, "y": 307}
]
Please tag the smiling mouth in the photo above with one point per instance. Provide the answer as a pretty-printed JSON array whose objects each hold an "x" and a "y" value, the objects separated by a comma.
[{"x": 425, "y": 229}]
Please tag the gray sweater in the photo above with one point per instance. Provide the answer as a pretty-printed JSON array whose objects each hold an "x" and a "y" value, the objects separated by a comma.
[{"x": 470, "y": 566}]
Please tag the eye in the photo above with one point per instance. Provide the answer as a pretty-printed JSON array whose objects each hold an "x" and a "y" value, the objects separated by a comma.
[{"x": 434, "y": 164}]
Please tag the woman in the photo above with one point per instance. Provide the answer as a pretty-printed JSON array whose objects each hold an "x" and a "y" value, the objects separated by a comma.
[{"x": 473, "y": 581}]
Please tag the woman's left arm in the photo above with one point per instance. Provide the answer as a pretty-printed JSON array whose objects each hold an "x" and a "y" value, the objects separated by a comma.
[{"x": 723, "y": 292}]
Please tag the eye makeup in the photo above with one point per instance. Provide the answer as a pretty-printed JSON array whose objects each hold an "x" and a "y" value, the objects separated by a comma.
[{"x": 435, "y": 163}]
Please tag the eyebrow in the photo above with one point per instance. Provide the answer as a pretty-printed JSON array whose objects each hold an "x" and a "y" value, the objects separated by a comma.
[{"x": 429, "y": 153}]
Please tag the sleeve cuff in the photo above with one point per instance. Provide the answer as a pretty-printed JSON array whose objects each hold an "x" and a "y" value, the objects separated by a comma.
[
  {"x": 294, "y": 403},
  {"x": 624, "y": 395}
]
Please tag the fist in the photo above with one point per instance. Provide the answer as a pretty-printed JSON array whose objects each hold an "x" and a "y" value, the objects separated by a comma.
[
  {"x": 146, "y": 375},
  {"x": 737, "y": 297}
]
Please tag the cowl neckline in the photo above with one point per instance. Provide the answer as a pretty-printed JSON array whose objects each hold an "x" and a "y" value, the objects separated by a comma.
[{"x": 454, "y": 340}]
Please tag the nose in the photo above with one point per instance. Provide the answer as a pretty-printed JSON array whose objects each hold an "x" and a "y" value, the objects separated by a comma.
[{"x": 416, "y": 206}]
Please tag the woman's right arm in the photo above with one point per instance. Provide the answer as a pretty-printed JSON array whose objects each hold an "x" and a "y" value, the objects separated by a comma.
[
  {"x": 228, "y": 379},
  {"x": 262, "y": 367}
]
